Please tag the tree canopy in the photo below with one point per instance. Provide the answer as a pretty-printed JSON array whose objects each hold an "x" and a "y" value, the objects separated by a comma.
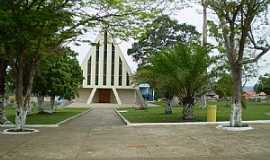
[
  {"x": 223, "y": 87},
  {"x": 31, "y": 29},
  {"x": 161, "y": 33},
  {"x": 58, "y": 75}
]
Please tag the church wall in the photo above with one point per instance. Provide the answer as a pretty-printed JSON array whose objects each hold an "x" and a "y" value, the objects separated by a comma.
[
  {"x": 83, "y": 95},
  {"x": 127, "y": 96}
]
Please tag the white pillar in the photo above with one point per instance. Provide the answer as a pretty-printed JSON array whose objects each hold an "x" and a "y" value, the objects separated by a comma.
[
  {"x": 153, "y": 94},
  {"x": 92, "y": 94},
  {"x": 116, "y": 68},
  {"x": 85, "y": 68},
  {"x": 109, "y": 62},
  {"x": 93, "y": 66},
  {"x": 124, "y": 74},
  {"x": 101, "y": 61},
  {"x": 117, "y": 97}
]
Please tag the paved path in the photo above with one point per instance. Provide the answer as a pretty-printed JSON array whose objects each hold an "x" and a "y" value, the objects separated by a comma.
[
  {"x": 96, "y": 118},
  {"x": 100, "y": 135}
]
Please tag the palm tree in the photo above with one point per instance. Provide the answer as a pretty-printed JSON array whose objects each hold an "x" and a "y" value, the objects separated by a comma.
[{"x": 178, "y": 71}]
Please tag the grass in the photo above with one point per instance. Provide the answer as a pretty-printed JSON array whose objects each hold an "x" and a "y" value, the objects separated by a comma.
[
  {"x": 45, "y": 118},
  {"x": 254, "y": 111}
]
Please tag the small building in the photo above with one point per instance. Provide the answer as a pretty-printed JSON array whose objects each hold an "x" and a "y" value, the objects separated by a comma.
[
  {"x": 147, "y": 92},
  {"x": 249, "y": 94},
  {"x": 262, "y": 95},
  {"x": 107, "y": 75}
]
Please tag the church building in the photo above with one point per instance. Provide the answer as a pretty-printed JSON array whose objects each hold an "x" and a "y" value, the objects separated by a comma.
[{"x": 107, "y": 75}]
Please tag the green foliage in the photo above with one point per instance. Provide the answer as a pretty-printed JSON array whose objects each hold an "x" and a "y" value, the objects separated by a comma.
[
  {"x": 27, "y": 24},
  {"x": 179, "y": 70},
  {"x": 31, "y": 29},
  {"x": 58, "y": 75},
  {"x": 263, "y": 84},
  {"x": 121, "y": 18},
  {"x": 224, "y": 86},
  {"x": 163, "y": 32}
]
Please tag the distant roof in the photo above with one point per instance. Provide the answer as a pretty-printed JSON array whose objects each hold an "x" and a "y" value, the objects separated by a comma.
[
  {"x": 262, "y": 94},
  {"x": 144, "y": 85},
  {"x": 249, "y": 93}
]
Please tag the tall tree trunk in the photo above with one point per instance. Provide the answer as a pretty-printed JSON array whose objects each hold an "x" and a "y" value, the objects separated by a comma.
[
  {"x": 188, "y": 103},
  {"x": 40, "y": 100},
  {"x": 168, "y": 106},
  {"x": 24, "y": 83},
  {"x": 236, "y": 111},
  {"x": 21, "y": 111},
  {"x": 204, "y": 30},
  {"x": 29, "y": 107},
  {"x": 204, "y": 43},
  {"x": 3, "y": 67},
  {"x": 28, "y": 89},
  {"x": 52, "y": 100}
]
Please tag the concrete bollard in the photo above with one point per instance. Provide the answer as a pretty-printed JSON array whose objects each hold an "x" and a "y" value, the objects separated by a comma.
[{"x": 212, "y": 113}]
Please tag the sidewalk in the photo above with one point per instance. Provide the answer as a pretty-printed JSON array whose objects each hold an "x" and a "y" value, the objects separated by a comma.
[{"x": 100, "y": 135}]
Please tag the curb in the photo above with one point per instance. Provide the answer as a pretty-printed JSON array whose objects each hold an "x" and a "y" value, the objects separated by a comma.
[
  {"x": 32, "y": 126},
  {"x": 234, "y": 129},
  {"x": 184, "y": 123},
  {"x": 73, "y": 117},
  {"x": 19, "y": 133},
  {"x": 122, "y": 117},
  {"x": 49, "y": 125}
]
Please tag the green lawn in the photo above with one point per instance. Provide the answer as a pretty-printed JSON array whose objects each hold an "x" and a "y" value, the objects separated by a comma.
[
  {"x": 156, "y": 115},
  {"x": 43, "y": 118}
]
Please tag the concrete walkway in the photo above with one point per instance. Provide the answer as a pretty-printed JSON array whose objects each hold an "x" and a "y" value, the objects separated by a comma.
[{"x": 100, "y": 135}]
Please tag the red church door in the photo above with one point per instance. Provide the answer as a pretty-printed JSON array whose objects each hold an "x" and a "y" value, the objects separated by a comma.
[{"x": 104, "y": 95}]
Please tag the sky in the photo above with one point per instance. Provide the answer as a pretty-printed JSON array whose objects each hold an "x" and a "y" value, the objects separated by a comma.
[{"x": 190, "y": 16}]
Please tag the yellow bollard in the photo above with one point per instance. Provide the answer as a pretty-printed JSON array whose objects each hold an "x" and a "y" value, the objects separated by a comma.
[{"x": 211, "y": 113}]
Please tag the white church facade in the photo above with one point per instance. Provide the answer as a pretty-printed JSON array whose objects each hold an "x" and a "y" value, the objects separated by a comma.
[{"x": 107, "y": 75}]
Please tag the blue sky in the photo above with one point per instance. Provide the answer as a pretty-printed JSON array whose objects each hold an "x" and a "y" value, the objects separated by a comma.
[{"x": 191, "y": 16}]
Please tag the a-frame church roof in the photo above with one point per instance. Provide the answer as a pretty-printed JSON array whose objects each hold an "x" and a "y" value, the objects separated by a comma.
[{"x": 111, "y": 39}]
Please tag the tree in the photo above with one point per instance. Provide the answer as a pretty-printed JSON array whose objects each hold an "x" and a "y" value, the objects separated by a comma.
[
  {"x": 29, "y": 29},
  {"x": 263, "y": 84},
  {"x": 223, "y": 86},
  {"x": 162, "y": 84},
  {"x": 58, "y": 75},
  {"x": 3, "y": 67},
  {"x": 163, "y": 32},
  {"x": 180, "y": 71},
  {"x": 204, "y": 41},
  {"x": 238, "y": 20}
]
